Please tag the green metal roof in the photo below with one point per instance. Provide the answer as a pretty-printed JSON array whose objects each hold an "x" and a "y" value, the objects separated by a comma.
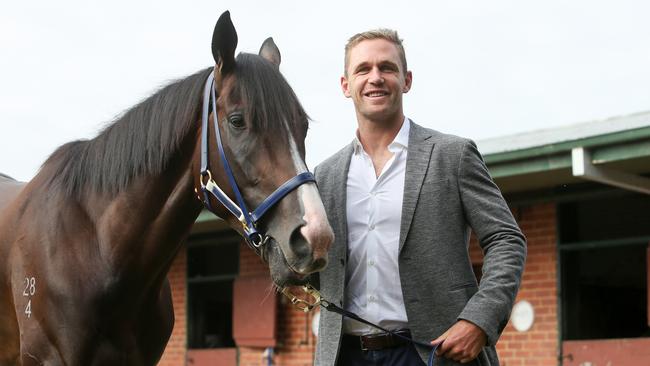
[
  {"x": 622, "y": 137},
  {"x": 542, "y": 159}
]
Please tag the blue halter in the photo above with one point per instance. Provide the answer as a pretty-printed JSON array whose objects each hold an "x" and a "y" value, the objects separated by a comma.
[{"x": 248, "y": 220}]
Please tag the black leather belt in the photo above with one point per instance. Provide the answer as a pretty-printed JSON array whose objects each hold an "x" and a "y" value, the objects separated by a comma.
[
  {"x": 348, "y": 314},
  {"x": 378, "y": 341}
]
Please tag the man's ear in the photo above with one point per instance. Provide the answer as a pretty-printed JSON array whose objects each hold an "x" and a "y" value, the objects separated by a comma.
[
  {"x": 224, "y": 42},
  {"x": 270, "y": 52},
  {"x": 408, "y": 81}
]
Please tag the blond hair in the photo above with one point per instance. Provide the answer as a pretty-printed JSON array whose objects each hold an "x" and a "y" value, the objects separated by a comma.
[{"x": 381, "y": 33}]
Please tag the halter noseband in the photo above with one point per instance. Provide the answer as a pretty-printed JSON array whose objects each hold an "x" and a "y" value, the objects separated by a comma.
[{"x": 248, "y": 220}]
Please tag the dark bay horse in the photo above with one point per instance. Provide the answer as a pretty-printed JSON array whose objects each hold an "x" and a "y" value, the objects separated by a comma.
[{"x": 86, "y": 245}]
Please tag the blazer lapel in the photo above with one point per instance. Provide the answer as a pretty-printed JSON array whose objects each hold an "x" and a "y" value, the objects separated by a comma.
[
  {"x": 339, "y": 190},
  {"x": 417, "y": 163}
]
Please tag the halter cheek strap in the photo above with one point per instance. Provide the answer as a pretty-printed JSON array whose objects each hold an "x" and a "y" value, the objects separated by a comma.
[{"x": 248, "y": 220}]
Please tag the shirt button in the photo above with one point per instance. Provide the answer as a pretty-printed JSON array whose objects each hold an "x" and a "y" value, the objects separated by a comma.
[
  {"x": 371, "y": 263},
  {"x": 371, "y": 298},
  {"x": 372, "y": 227}
]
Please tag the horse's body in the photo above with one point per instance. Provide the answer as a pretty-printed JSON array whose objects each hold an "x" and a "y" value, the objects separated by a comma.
[
  {"x": 86, "y": 245},
  {"x": 79, "y": 295},
  {"x": 9, "y": 190}
]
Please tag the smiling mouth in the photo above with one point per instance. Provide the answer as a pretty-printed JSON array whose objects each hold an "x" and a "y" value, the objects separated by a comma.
[{"x": 375, "y": 94}]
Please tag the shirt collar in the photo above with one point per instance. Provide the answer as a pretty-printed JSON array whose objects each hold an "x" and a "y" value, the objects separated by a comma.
[{"x": 400, "y": 142}]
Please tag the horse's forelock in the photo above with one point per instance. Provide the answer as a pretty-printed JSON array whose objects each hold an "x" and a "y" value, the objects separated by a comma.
[{"x": 266, "y": 95}]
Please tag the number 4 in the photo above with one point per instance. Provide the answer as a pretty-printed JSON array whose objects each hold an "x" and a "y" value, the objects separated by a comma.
[{"x": 28, "y": 309}]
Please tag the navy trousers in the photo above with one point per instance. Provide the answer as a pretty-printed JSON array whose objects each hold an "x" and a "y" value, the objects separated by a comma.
[{"x": 351, "y": 354}]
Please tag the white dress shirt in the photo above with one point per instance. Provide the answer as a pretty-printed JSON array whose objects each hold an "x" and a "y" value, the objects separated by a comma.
[{"x": 374, "y": 211}]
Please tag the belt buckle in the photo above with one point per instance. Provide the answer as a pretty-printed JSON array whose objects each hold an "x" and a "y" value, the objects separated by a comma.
[{"x": 372, "y": 336}]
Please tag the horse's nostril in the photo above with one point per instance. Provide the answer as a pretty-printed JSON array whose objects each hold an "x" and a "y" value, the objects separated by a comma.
[
  {"x": 299, "y": 244},
  {"x": 306, "y": 258}
]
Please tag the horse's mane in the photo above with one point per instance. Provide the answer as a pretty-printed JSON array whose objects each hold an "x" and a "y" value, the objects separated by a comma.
[
  {"x": 144, "y": 138},
  {"x": 139, "y": 141}
]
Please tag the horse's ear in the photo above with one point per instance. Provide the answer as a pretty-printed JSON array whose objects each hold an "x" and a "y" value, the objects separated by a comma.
[
  {"x": 224, "y": 42},
  {"x": 270, "y": 51}
]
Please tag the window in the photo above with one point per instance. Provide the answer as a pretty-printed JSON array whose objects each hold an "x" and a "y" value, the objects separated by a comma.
[
  {"x": 604, "y": 267},
  {"x": 212, "y": 266}
]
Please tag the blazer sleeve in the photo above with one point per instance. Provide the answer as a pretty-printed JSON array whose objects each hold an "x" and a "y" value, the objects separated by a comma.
[{"x": 502, "y": 242}]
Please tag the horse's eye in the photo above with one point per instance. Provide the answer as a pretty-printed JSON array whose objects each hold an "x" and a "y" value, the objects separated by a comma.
[{"x": 236, "y": 120}]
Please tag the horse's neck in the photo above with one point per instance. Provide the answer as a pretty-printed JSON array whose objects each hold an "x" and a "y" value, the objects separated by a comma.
[{"x": 142, "y": 227}]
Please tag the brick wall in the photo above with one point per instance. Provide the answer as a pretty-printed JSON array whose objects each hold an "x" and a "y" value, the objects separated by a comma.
[
  {"x": 295, "y": 340},
  {"x": 296, "y": 343},
  {"x": 539, "y": 345},
  {"x": 175, "y": 352},
  {"x": 536, "y": 347}
]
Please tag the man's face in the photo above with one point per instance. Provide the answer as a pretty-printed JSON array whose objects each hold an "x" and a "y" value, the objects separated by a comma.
[{"x": 376, "y": 80}]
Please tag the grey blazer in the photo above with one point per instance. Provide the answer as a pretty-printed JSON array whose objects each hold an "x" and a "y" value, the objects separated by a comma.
[{"x": 448, "y": 190}]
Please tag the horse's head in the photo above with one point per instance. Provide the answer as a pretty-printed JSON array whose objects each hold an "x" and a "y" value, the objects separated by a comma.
[{"x": 262, "y": 127}]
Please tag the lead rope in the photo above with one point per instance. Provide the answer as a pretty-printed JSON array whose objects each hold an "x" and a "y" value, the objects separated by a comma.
[
  {"x": 333, "y": 308},
  {"x": 329, "y": 306}
]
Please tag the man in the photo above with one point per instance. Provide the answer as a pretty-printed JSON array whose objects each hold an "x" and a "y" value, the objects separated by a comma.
[{"x": 401, "y": 200}]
